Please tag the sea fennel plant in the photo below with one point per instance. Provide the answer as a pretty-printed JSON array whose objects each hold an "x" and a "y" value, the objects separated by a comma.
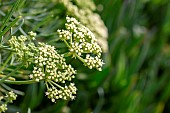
[{"x": 49, "y": 65}]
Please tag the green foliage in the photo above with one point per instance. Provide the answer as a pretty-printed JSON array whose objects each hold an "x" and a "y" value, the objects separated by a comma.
[
  {"x": 135, "y": 77},
  {"x": 139, "y": 49}
]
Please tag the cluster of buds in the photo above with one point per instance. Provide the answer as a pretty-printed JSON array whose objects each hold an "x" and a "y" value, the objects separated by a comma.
[
  {"x": 82, "y": 42},
  {"x": 18, "y": 44},
  {"x": 23, "y": 51},
  {"x": 4, "y": 100}
]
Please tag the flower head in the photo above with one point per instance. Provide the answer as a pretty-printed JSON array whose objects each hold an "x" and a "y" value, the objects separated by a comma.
[
  {"x": 52, "y": 68},
  {"x": 83, "y": 10},
  {"x": 49, "y": 65},
  {"x": 82, "y": 42}
]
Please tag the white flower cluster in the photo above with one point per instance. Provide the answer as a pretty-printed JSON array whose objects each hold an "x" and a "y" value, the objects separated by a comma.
[
  {"x": 93, "y": 62},
  {"x": 49, "y": 66},
  {"x": 80, "y": 41},
  {"x": 8, "y": 98},
  {"x": 84, "y": 12},
  {"x": 67, "y": 92}
]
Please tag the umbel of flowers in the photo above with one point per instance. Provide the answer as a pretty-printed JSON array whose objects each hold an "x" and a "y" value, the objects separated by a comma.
[
  {"x": 84, "y": 11},
  {"x": 51, "y": 67},
  {"x": 82, "y": 43}
]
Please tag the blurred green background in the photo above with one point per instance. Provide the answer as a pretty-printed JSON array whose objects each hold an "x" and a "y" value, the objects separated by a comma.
[{"x": 136, "y": 74}]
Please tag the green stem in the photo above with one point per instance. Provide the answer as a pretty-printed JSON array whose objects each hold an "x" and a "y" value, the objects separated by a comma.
[
  {"x": 66, "y": 43},
  {"x": 19, "y": 82},
  {"x": 55, "y": 84},
  {"x": 5, "y": 63},
  {"x": 46, "y": 84},
  {"x": 4, "y": 78},
  {"x": 11, "y": 89},
  {"x": 68, "y": 54},
  {"x": 5, "y": 48},
  {"x": 18, "y": 72},
  {"x": 81, "y": 59}
]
